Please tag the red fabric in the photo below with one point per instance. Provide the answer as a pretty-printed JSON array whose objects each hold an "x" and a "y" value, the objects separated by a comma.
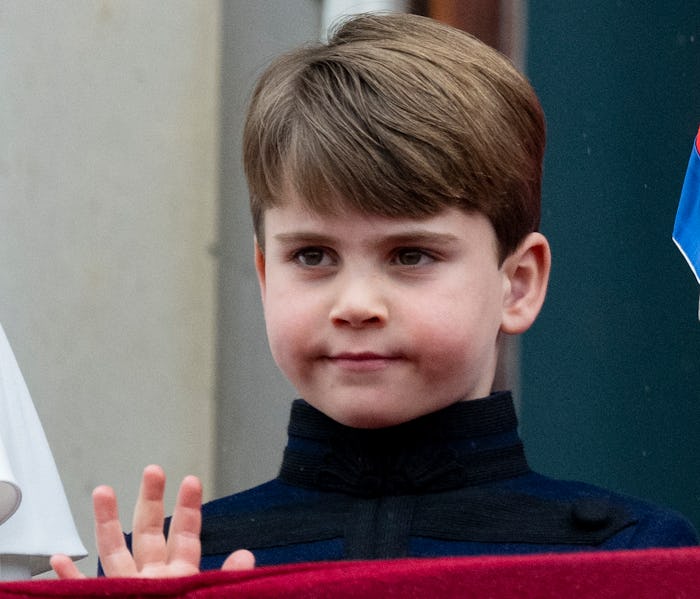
[{"x": 646, "y": 574}]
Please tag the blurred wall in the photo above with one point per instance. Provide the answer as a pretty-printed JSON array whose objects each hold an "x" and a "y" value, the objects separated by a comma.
[
  {"x": 108, "y": 189},
  {"x": 252, "y": 397}
]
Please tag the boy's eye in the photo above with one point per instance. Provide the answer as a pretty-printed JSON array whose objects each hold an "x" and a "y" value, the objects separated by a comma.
[
  {"x": 412, "y": 257},
  {"x": 312, "y": 257}
]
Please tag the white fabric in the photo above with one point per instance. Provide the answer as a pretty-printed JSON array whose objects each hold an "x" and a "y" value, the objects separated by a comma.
[
  {"x": 10, "y": 494},
  {"x": 42, "y": 524}
]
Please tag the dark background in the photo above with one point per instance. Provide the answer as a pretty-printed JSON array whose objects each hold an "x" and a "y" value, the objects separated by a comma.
[{"x": 611, "y": 370}]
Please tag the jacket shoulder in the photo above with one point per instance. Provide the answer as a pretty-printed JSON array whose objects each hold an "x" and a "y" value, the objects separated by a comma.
[{"x": 653, "y": 525}]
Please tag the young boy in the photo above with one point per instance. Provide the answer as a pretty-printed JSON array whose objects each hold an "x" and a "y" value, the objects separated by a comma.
[{"x": 394, "y": 176}]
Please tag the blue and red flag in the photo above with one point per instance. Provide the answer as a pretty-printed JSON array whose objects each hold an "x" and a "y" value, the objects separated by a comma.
[{"x": 686, "y": 231}]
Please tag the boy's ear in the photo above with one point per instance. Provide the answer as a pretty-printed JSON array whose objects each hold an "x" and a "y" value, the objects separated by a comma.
[
  {"x": 260, "y": 267},
  {"x": 526, "y": 273}
]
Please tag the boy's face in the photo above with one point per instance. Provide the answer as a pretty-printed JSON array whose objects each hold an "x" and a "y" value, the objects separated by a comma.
[{"x": 375, "y": 320}]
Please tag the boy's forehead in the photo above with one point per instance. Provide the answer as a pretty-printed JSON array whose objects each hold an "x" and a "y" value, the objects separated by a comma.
[
  {"x": 292, "y": 218},
  {"x": 294, "y": 209},
  {"x": 328, "y": 205}
]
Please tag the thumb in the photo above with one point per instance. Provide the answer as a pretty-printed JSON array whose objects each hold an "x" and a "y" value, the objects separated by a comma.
[
  {"x": 65, "y": 568},
  {"x": 242, "y": 559}
]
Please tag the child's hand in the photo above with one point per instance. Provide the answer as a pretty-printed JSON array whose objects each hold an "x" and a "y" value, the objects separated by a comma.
[{"x": 153, "y": 555}]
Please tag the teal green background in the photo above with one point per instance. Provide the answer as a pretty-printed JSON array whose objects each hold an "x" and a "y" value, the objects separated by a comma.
[{"x": 611, "y": 370}]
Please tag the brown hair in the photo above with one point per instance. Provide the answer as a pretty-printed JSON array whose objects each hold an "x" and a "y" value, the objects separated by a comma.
[{"x": 398, "y": 115}]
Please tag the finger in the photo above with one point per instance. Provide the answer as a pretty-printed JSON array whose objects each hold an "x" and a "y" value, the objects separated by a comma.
[
  {"x": 65, "y": 568},
  {"x": 148, "y": 540},
  {"x": 183, "y": 537},
  {"x": 239, "y": 560},
  {"x": 111, "y": 546}
]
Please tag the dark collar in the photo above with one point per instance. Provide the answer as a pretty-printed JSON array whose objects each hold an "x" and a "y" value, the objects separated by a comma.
[{"x": 467, "y": 443}]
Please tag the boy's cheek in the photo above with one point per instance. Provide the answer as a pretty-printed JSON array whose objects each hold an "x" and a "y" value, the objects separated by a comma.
[{"x": 286, "y": 332}]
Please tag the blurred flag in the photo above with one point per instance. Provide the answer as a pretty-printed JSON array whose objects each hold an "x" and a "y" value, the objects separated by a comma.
[{"x": 686, "y": 231}]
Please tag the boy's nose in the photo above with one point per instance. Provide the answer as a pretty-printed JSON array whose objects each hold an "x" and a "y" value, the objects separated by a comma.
[{"x": 359, "y": 303}]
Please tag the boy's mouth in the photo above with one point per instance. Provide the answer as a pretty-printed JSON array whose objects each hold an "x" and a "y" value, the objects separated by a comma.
[{"x": 362, "y": 361}]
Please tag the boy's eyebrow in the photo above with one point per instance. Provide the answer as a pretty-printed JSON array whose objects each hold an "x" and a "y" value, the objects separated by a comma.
[
  {"x": 404, "y": 237},
  {"x": 302, "y": 236},
  {"x": 421, "y": 236}
]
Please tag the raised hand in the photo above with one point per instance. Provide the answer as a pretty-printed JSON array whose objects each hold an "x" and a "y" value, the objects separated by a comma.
[{"x": 153, "y": 556}]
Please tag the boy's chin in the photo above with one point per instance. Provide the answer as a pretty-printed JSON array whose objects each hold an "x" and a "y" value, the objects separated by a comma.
[
  {"x": 368, "y": 421},
  {"x": 368, "y": 417},
  {"x": 368, "y": 413}
]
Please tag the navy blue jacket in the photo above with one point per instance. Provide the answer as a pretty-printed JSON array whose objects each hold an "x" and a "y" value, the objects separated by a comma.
[{"x": 455, "y": 482}]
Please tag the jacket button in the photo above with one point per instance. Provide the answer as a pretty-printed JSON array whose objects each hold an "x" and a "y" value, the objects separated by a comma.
[{"x": 589, "y": 513}]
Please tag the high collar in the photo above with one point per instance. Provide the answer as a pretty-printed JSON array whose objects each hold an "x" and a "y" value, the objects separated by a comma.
[{"x": 468, "y": 443}]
